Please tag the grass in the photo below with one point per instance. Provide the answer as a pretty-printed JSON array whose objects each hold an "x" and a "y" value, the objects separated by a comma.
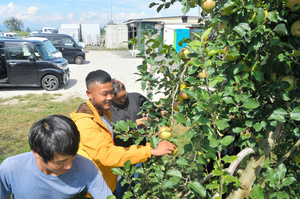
[{"x": 19, "y": 113}]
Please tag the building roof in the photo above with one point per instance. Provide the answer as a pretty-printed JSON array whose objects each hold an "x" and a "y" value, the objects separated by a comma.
[{"x": 165, "y": 19}]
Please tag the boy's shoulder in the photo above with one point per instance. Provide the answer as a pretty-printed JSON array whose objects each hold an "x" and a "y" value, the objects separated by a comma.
[{"x": 19, "y": 160}]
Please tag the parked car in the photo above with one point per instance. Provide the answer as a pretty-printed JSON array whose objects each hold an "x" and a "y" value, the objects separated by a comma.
[
  {"x": 48, "y": 44},
  {"x": 71, "y": 50},
  {"x": 50, "y": 30},
  {"x": 12, "y": 34},
  {"x": 29, "y": 63}
]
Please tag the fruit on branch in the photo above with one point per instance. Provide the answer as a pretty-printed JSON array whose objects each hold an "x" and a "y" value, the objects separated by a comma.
[
  {"x": 164, "y": 133},
  {"x": 183, "y": 95},
  {"x": 208, "y": 5},
  {"x": 291, "y": 80},
  {"x": 294, "y": 5},
  {"x": 174, "y": 151},
  {"x": 183, "y": 53},
  {"x": 295, "y": 29},
  {"x": 176, "y": 105},
  {"x": 202, "y": 74}
]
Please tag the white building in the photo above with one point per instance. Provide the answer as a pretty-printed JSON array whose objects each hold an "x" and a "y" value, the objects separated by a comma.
[
  {"x": 116, "y": 36},
  {"x": 86, "y": 34},
  {"x": 172, "y": 29}
]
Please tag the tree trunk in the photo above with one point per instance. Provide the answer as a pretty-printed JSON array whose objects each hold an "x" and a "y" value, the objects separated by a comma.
[{"x": 253, "y": 168}]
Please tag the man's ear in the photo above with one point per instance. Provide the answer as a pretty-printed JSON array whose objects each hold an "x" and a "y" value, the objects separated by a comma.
[
  {"x": 35, "y": 154},
  {"x": 89, "y": 94}
]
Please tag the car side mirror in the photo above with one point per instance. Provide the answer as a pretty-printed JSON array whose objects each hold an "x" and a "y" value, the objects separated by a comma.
[
  {"x": 31, "y": 58},
  {"x": 74, "y": 45}
]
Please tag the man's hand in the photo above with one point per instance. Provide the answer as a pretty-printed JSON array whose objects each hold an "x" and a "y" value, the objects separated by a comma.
[
  {"x": 141, "y": 121},
  {"x": 163, "y": 148}
]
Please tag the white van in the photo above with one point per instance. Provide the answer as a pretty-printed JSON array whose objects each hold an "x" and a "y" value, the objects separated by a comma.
[
  {"x": 12, "y": 34},
  {"x": 50, "y": 30},
  {"x": 48, "y": 44}
]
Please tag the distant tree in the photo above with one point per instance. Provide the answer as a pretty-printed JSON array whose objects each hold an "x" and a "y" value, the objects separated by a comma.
[
  {"x": 111, "y": 23},
  {"x": 13, "y": 24},
  {"x": 28, "y": 29}
]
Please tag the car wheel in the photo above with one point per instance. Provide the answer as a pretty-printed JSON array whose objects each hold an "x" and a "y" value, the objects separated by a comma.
[
  {"x": 78, "y": 60},
  {"x": 50, "y": 83}
]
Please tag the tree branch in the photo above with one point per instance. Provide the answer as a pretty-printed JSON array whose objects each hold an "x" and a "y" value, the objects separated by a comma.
[
  {"x": 288, "y": 153},
  {"x": 248, "y": 176},
  {"x": 230, "y": 170}
]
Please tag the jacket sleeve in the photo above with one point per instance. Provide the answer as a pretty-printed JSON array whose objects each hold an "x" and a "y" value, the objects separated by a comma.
[{"x": 97, "y": 142}]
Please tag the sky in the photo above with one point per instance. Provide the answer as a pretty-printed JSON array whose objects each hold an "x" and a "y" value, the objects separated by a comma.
[{"x": 36, "y": 14}]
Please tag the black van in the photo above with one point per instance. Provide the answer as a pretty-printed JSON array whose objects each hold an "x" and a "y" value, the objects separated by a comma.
[
  {"x": 71, "y": 50},
  {"x": 29, "y": 63}
]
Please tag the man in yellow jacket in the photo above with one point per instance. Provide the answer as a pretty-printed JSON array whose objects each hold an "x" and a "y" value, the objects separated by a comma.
[{"x": 96, "y": 132}]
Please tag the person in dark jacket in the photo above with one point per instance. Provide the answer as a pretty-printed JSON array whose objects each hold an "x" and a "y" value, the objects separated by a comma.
[{"x": 127, "y": 106}]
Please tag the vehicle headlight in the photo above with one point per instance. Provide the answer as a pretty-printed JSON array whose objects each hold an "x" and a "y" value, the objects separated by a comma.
[
  {"x": 82, "y": 49},
  {"x": 60, "y": 66}
]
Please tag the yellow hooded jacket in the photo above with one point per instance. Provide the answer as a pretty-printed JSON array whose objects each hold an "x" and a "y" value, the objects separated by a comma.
[{"x": 96, "y": 144}]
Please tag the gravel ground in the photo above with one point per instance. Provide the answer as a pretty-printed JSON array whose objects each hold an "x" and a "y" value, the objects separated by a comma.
[{"x": 119, "y": 64}]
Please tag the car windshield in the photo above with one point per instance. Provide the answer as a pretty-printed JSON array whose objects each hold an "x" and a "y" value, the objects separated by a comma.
[
  {"x": 45, "y": 52},
  {"x": 50, "y": 46},
  {"x": 17, "y": 36}
]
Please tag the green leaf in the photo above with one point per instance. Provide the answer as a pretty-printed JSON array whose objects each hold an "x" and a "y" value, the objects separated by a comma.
[
  {"x": 151, "y": 61},
  {"x": 218, "y": 172},
  {"x": 182, "y": 162},
  {"x": 160, "y": 7},
  {"x": 167, "y": 5},
  {"x": 257, "y": 192},
  {"x": 257, "y": 126},
  {"x": 295, "y": 114},
  {"x": 279, "y": 115},
  {"x": 111, "y": 197},
  {"x": 238, "y": 130},
  {"x": 118, "y": 171},
  {"x": 222, "y": 124},
  {"x": 242, "y": 28},
  {"x": 206, "y": 33},
  {"x": 196, "y": 186},
  {"x": 175, "y": 173},
  {"x": 126, "y": 165},
  {"x": 288, "y": 181},
  {"x": 185, "y": 9},
  {"x": 251, "y": 104},
  {"x": 176, "y": 58},
  {"x": 259, "y": 76},
  {"x": 127, "y": 194},
  {"x": 213, "y": 142},
  {"x": 179, "y": 117},
  {"x": 153, "y": 141},
  {"x": 227, "y": 140},
  {"x": 280, "y": 195},
  {"x": 152, "y": 4},
  {"x": 230, "y": 179},
  {"x": 123, "y": 126},
  {"x": 213, "y": 52},
  {"x": 229, "y": 159},
  {"x": 281, "y": 29},
  {"x": 281, "y": 171}
]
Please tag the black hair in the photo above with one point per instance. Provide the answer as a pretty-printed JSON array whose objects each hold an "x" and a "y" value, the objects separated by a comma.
[
  {"x": 118, "y": 86},
  {"x": 97, "y": 76},
  {"x": 56, "y": 134}
]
